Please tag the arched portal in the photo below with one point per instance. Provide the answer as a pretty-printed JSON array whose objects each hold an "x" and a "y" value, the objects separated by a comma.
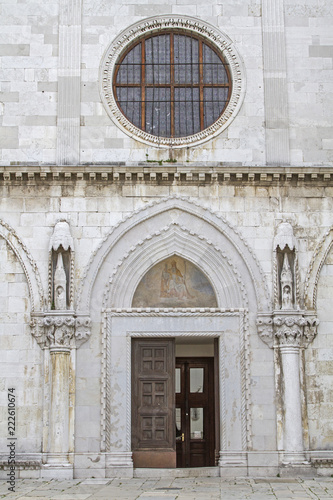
[{"x": 198, "y": 250}]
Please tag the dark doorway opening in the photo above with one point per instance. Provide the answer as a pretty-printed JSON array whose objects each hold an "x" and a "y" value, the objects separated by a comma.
[{"x": 195, "y": 412}]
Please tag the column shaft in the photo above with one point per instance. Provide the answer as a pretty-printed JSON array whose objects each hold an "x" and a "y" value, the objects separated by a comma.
[
  {"x": 293, "y": 429},
  {"x": 59, "y": 407}
]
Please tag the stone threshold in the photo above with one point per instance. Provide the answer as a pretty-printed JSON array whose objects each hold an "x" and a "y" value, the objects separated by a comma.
[{"x": 177, "y": 472}]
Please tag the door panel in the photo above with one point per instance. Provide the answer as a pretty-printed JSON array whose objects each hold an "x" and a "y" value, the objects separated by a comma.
[
  {"x": 195, "y": 416},
  {"x": 153, "y": 427}
]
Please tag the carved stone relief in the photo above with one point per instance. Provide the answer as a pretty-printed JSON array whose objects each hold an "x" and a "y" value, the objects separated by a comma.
[
  {"x": 61, "y": 268},
  {"x": 297, "y": 329},
  {"x": 285, "y": 259}
]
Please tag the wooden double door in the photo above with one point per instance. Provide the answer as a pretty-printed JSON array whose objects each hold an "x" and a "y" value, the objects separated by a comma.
[{"x": 173, "y": 410}]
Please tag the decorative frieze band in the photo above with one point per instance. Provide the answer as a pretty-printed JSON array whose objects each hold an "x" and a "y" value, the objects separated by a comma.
[
  {"x": 296, "y": 329},
  {"x": 160, "y": 175}
]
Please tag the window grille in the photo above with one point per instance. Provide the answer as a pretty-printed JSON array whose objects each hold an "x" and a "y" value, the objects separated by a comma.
[{"x": 172, "y": 84}]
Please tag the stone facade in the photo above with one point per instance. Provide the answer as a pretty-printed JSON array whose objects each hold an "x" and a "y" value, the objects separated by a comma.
[{"x": 87, "y": 210}]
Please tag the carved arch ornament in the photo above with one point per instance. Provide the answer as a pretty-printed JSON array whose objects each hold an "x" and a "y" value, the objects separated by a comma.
[
  {"x": 28, "y": 264},
  {"x": 318, "y": 260},
  {"x": 157, "y": 25},
  {"x": 189, "y": 221},
  {"x": 288, "y": 324},
  {"x": 172, "y": 240}
]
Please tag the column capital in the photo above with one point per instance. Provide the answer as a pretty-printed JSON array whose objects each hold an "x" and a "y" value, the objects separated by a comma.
[
  {"x": 289, "y": 328},
  {"x": 60, "y": 330}
]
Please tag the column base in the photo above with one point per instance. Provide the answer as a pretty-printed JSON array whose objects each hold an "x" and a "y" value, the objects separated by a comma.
[
  {"x": 293, "y": 457},
  {"x": 232, "y": 464},
  {"x": 233, "y": 459},
  {"x": 57, "y": 471},
  {"x": 293, "y": 470},
  {"x": 119, "y": 464}
]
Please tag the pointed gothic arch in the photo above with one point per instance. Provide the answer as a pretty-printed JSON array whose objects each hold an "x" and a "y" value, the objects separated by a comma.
[{"x": 174, "y": 225}]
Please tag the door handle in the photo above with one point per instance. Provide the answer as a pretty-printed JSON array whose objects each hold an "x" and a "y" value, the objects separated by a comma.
[{"x": 183, "y": 437}]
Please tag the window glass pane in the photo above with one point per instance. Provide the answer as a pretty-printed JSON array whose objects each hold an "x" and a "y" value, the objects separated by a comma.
[
  {"x": 215, "y": 100},
  {"x": 196, "y": 423},
  {"x": 157, "y": 56},
  {"x": 214, "y": 71},
  {"x": 186, "y": 59},
  {"x": 178, "y": 380},
  {"x": 187, "y": 111},
  {"x": 130, "y": 68},
  {"x": 178, "y": 424},
  {"x": 130, "y": 102},
  {"x": 196, "y": 379},
  {"x": 158, "y": 111}
]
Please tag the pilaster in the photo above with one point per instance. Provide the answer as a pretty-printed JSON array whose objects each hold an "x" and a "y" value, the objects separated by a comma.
[
  {"x": 69, "y": 79},
  {"x": 275, "y": 83}
]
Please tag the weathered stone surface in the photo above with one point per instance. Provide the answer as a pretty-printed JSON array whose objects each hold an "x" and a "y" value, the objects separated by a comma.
[{"x": 130, "y": 206}]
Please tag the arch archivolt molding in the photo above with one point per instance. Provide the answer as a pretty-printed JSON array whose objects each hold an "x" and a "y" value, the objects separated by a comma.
[
  {"x": 170, "y": 240},
  {"x": 145, "y": 223},
  {"x": 28, "y": 264},
  {"x": 318, "y": 260}
]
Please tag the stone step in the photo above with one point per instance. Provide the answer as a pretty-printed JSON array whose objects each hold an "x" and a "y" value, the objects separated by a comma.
[{"x": 177, "y": 472}]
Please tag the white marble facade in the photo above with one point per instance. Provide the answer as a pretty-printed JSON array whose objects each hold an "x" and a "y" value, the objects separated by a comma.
[{"x": 87, "y": 210}]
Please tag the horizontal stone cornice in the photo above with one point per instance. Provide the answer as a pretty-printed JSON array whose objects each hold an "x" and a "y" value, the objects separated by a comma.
[{"x": 151, "y": 173}]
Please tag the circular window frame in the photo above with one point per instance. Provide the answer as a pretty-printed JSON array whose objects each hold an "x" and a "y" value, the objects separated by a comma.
[{"x": 154, "y": 25}]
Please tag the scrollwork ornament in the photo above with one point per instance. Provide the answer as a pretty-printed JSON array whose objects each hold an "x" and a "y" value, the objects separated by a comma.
[
  {"x": 265, "y": 329},
  {"x": 37, "y": 330},
  {"x": 310, "y": 330},
  {"x": 82, "y": 330}
]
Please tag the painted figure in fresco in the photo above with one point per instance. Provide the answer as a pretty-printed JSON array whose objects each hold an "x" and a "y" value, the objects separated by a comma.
[
  {"x": 173, "y": 282},
  {"x": 165, "y": 280}
]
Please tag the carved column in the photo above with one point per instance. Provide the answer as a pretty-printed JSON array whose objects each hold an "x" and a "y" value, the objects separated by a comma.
[
  {"x": 289, "y": 332},
  {"x": 59, "y": 334},
  {"x": 290, "y": 336}
]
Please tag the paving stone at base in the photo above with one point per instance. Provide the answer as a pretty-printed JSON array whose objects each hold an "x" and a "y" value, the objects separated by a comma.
[{"x": 177, "y": 489}]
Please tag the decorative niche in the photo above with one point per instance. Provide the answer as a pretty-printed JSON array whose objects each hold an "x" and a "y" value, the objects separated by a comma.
[
  {"x": 61, "y": 268},
  {"x": 286, "y": 281}
]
